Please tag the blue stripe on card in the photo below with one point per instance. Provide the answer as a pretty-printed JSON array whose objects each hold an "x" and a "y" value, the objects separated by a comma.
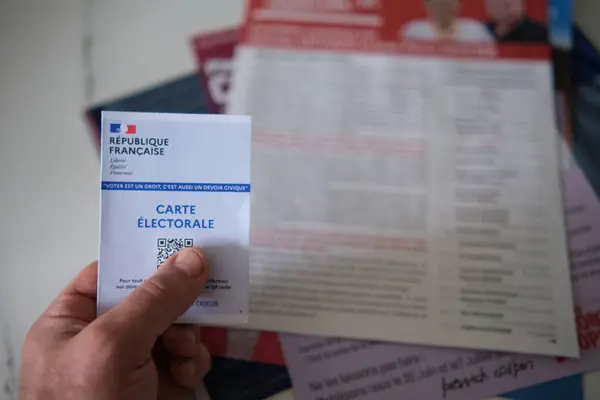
[{"x": 175, "y": 187}]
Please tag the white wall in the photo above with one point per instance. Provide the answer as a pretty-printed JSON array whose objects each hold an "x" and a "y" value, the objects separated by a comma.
[{"x": 44, "y": 158}]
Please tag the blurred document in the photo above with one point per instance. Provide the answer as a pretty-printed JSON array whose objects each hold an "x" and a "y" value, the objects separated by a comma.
[
  {"x": 334, "y": 369},
  {"x": 406, "y": 184}
]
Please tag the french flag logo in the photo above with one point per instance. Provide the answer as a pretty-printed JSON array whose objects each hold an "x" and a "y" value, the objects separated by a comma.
[{"x": 122, "y": 128}]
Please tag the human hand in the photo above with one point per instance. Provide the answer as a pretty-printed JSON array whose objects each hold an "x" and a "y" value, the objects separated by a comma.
[{"x": 130, "y": 352}]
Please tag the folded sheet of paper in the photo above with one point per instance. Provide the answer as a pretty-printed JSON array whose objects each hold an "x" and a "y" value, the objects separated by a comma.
[
  {"x": 171, "y": 181},
  {"x": 332, "y": 369},
  {"x": 405, "y": 189}
]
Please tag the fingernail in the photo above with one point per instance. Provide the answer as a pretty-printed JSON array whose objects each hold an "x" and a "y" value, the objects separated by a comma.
[{"x": 191, "y": 261}]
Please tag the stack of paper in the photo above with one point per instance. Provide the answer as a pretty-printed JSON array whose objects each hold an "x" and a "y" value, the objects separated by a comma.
[
  {"x": 273, "y": 60},
  {"x": 407, "y": 193}
]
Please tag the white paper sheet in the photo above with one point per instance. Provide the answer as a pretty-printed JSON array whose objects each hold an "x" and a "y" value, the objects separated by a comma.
[{"x": 403, "y": 191}]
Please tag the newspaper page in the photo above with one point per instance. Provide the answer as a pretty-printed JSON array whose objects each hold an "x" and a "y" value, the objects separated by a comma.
[
  {"x": 324, "y": 369},
  {"x": 405, "y": 175}
]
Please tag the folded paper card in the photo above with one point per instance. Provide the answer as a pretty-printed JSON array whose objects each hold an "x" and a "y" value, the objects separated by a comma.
[{"x": 171, "y": 181}]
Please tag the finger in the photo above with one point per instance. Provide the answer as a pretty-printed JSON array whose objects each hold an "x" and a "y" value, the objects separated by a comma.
[
  {"x": 182, "y": 340},
  {"x": 169, "y": 389},
  {"x": 75, "y": 306},
  {"x": 189, "y": 372},
  {"x": 153, "y": 306}
]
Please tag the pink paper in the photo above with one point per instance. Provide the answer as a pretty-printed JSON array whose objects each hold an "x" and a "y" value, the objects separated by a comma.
[{"x": 214, "y": 53}]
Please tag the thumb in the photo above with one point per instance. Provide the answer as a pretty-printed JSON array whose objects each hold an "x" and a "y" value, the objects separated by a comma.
[{"x": 153, "y": 306}]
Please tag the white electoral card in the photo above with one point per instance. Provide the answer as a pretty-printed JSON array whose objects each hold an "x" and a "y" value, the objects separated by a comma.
[{"x": 171, "y": 181}]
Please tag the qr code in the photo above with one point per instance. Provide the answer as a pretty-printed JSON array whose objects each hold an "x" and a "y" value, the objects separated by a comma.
[{"x": 165, "y": 247}]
